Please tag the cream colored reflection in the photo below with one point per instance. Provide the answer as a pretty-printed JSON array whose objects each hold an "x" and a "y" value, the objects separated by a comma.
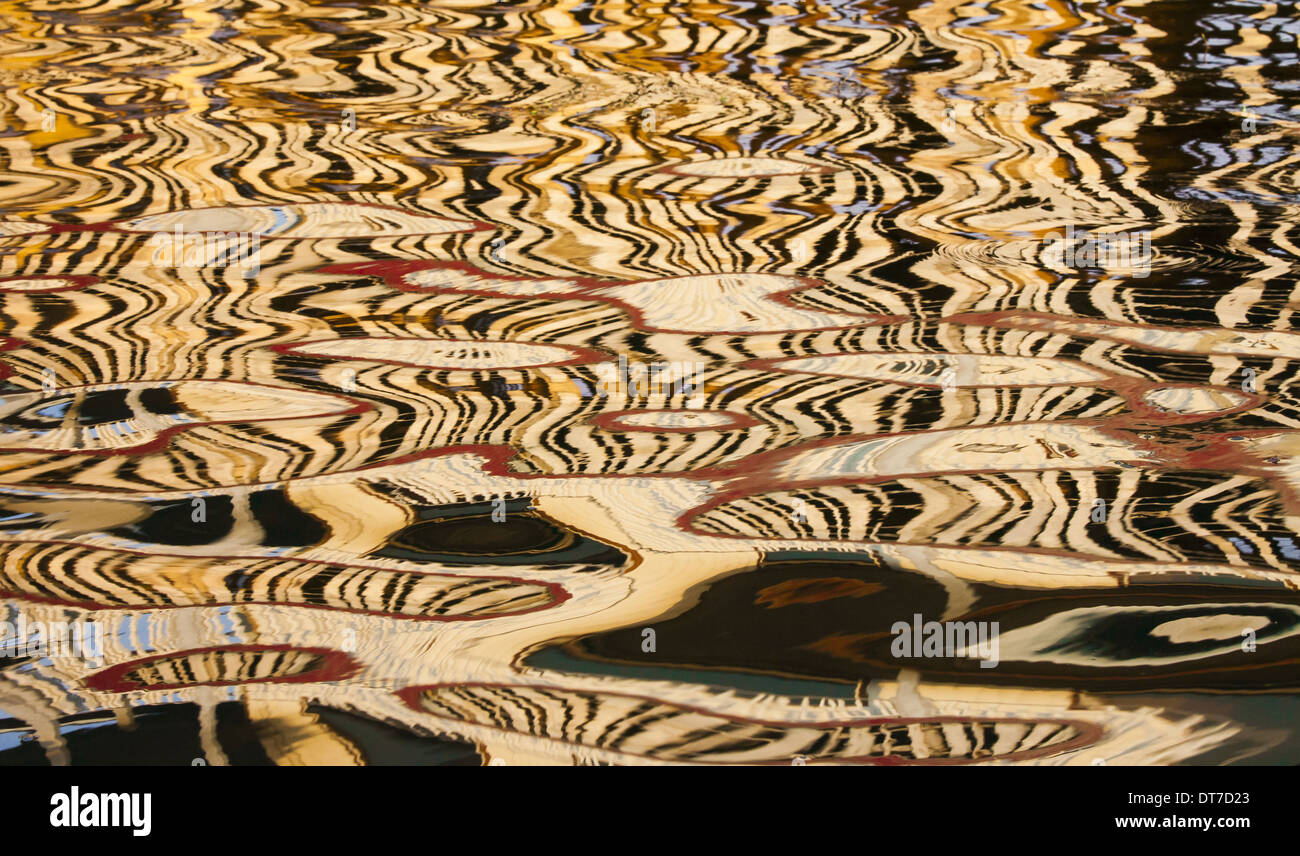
[
  {"x": 1009, "y": 116},
  {"x": 1067, "y": 637},
  {"x": 638, "y": 516}
]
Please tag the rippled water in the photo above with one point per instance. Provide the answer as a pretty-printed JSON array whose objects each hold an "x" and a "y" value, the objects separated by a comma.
[{"x": 604, "y": 383}]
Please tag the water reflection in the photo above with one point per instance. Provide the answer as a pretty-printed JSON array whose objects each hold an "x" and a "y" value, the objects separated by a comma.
[{"x": 582, "y": 383}]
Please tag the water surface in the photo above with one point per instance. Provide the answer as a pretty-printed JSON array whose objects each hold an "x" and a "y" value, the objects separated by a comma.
[{"x": 624, "y": 383}]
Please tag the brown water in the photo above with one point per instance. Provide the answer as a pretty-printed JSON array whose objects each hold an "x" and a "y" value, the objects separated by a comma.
[{"x": 601, "y": 383}]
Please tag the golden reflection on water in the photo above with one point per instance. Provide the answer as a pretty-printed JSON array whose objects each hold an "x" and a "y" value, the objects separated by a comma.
[{"x": 603, "y": 383}]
